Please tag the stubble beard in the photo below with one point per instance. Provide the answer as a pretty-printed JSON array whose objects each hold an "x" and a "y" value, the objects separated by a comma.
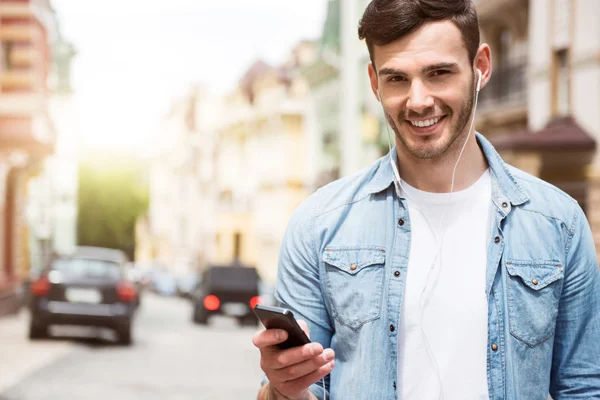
[{"x": 428, "y": 151}]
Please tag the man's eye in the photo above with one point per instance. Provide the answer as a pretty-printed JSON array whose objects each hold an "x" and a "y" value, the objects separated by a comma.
[
  {"x": 397, "y": 79},
  {"x": 440, "y": 72}
]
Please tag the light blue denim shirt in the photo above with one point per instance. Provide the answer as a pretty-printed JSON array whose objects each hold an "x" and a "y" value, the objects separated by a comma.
[{"x": 343, "y": 265}]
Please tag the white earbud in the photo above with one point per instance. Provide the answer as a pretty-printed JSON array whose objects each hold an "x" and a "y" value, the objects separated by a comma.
[{"x": 378, "y": 95}]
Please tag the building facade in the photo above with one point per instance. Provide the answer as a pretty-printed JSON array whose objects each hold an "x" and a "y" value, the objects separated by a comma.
[
  {"x": 27, "y": 134},
  {"x": 181, "y": 219},
  {"x": 348, "y": 118},
  {"x": 266, "y": 160},
  {"x": 541, "y": 106},
  {"x": 52, "y": 195}
]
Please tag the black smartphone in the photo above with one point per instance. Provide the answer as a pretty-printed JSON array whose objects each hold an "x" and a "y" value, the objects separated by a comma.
[{"x": 281, "y": 318}]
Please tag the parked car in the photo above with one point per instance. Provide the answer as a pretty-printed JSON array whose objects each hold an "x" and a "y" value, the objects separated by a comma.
[
  {"x": 164, "y": 283},
  {"x": 138, "y": 278},
  {"x": 186, "y": 284},
  {"x": 229, "y": 290},
  {"x": 87, "y": 288}
]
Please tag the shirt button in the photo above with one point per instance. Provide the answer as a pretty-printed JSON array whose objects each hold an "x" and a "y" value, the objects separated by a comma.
[
  {"x": 353, "y": 267},
  {"x": 494, "y": 347},
  {"x": 394, "y": 385},
  {"x": 392, "y": 328},
  {"x": 504, "y": 205},
  {"x": 497, "y": 239},
  {"x": 535, "y": 281},
  {"x": 397, "y": 274},
  {"x": 401, "y": 222}
]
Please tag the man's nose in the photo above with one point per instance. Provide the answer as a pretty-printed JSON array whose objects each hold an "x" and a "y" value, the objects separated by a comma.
[{"x": 419, "y": 98}]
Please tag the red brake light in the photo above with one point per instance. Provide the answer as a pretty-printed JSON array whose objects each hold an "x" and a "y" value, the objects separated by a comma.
[
  {"x": 126, "y": 292},
  {"x": 256, "y": 300},
  {"x": 41, "y": 287},
  {"x": 212, "y": 302}
]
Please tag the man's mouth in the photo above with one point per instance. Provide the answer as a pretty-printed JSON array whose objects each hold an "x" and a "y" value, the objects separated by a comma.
[{"x": 426, "y": 125}]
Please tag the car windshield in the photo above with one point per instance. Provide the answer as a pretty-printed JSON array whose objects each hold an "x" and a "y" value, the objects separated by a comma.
[{"x": 87, "y": 268}]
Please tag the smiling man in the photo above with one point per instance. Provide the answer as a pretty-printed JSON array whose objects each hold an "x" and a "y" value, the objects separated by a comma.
[{"x": 440, "y": 272}]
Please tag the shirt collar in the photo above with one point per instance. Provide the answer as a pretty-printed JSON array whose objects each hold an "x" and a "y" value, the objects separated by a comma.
[{"x": 384, "y": 176}]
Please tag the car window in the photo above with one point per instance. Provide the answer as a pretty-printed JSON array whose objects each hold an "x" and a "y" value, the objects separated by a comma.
[
  {"x": 86, "y": 268},
  {"x": 227, "y": 278}
]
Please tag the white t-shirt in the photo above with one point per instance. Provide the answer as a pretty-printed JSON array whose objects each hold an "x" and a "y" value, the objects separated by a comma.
[{"x": 455, "y": 312}]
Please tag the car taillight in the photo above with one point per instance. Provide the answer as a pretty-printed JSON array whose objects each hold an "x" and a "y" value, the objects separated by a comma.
[
  {"x": 256, "y": 300},
  {"x": 126, "y": 292},
  {"x": 41, "y": 287},
  {"x": 212, "y": 302}
]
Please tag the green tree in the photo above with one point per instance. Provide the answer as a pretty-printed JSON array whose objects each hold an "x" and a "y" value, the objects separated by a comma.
[{"x": 112, "y": 195}]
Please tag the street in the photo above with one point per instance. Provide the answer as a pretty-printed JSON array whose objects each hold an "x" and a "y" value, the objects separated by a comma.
[{"x": 171, "y": 359}]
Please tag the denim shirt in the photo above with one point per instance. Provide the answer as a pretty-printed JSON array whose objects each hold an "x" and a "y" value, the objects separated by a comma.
[{"x": 343, "y": 264}]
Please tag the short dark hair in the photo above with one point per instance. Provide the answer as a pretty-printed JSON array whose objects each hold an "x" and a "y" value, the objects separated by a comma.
[{"x": 385, "y": 21}]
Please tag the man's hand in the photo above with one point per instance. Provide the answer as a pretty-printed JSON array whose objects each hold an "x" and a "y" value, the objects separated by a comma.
[{"x": 292, "y": 371}]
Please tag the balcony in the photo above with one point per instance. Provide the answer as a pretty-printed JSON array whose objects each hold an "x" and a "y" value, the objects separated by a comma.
[
  {"x": 22, "y": 103},
  {"x": 14, "y": 9},
  {"x": 19, "y": 33},
  {"x": 507, "y": 87},
  {"x": 39, "y": 10},
  {"x": 503, "y": 101},
  {"x": 20, "y": 80}
]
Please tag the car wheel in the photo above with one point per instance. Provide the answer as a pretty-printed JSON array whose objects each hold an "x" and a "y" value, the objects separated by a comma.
[
  {"x": 37, "y": 331},
  {"x": 125, "y": 336},
  {"x": 199, "y": 317}
]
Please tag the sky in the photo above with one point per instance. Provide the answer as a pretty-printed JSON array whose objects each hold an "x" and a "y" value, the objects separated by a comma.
[{"x": 135, "y": 56}]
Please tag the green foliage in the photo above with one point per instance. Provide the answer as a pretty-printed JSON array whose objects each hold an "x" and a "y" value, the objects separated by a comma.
[{"x": 112, "y": 195}]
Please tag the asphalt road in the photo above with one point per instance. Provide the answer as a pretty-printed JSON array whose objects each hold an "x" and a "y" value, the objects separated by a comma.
[{"x": 171, "y": 359}]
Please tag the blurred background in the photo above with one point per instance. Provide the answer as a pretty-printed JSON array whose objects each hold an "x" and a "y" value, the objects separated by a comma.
[{"x": 185, "y": 133}]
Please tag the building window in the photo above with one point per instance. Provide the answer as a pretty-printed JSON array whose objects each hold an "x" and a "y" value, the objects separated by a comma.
[
  {"x": 237, "y": 245},
  {"x": 561, "y": 83},
  {"x": 8, "y": 47}
]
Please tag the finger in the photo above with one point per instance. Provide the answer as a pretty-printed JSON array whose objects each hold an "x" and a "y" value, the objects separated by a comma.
[
  {"x": 303, "y": 368},
  {"x": 301, "y": 384},
  {"x": 304, "y": 327},
  {"x": 269, "y": 337},
  {"x": 295, "y": 355}
]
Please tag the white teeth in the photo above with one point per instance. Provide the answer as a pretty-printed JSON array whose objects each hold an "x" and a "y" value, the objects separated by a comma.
[{"x": 426, "y": 123}]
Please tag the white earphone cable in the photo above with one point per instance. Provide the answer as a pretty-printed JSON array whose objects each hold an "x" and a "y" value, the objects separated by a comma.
[{"x": 398, "y": 185}]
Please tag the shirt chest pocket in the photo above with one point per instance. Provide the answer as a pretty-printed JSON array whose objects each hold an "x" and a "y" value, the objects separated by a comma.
[
  {"x": 354, "y": 282},
  {"x": 534, "y": 289}
]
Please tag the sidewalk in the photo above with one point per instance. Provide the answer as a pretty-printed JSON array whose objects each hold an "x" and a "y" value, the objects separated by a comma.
[{"x": 18, "y": 356}]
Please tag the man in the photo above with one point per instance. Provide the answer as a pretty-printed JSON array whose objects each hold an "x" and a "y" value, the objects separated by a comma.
[{"x": 459, "y": 278}]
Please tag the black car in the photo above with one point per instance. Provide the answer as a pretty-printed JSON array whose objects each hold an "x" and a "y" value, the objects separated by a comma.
[
  {"x": 229, "y": 290},
  {"x": 87, "y": 288}
]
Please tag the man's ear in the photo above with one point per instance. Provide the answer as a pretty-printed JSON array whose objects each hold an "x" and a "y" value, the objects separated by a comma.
[{"x": 483, "y": 62}]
